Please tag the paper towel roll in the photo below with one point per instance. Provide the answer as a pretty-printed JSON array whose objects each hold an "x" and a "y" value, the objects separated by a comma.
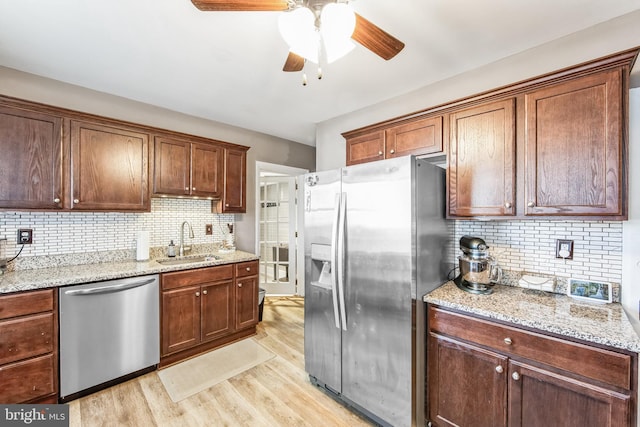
[{"x": 142, "y": 245}]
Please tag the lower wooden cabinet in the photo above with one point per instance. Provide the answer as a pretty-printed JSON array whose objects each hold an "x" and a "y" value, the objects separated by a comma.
[
  {"x": 207, "y": 307},
  {"x": 29, "y": 347},
  {"x": 481, "y": 373}
]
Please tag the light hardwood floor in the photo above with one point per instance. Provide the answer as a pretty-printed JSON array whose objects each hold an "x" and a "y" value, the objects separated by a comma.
[{"x": 275, "y": 393}]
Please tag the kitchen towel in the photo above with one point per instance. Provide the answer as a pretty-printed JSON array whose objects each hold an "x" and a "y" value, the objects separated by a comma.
[{"x": 142, "y": 245}]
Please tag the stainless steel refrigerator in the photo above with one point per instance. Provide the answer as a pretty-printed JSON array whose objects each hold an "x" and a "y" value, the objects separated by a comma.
[{"x": 375, "y": 243}]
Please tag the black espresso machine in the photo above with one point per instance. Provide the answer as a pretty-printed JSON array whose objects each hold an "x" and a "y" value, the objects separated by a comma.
[{"x": 479, "y": 271}]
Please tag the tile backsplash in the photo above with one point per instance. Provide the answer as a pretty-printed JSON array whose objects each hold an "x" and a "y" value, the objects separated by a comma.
[
  {"x": 56, "y": 233},
  {"x": 530, "y": 246}
]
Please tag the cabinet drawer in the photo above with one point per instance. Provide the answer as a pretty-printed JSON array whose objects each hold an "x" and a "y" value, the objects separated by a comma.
[
  {"x": 27, "y": 380},
  {"x": 21, "y": 304},
  {"x": 26, "y": 337},
  {"x": 249, "y": 268},
  {"x": 196, "y": 277},
  {"x": 595, "y": 363}
]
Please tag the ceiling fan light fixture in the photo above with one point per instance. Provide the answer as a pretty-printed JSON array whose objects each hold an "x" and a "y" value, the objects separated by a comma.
[
  {"x": 338, "y": 21},
  {"x": 298, "y": 29}
]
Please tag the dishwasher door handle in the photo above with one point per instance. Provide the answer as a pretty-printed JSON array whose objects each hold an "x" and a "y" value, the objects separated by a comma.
[{"x": 109, "y": 289}]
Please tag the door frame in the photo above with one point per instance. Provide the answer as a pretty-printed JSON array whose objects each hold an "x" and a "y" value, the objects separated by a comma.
[{"x": 296, "y": 173}]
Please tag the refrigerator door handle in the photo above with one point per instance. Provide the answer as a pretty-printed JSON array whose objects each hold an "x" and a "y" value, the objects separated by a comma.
[
  {"x": 334, "y": 252},
  {"x": 341, "y": 238}
]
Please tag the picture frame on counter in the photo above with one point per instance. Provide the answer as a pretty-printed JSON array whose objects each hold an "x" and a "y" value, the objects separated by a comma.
[{"x": 588, "y": 290}]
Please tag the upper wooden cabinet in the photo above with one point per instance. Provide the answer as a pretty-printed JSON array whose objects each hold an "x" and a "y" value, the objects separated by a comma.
[
  {"x": 481, "y": 172},
  {"x": 556, "y": 147},
  {"x": 234, "y": 196},
  {"x": 31, "y": 163},
  {"x": 187, "y": 168},
  {"x": 109, "y": 168},
  {"x": 574, "y": 146},
  {"x": 423, "y": 136},
  {"x": 418, "y": 136},
  {"x": 365, "y": 148}
]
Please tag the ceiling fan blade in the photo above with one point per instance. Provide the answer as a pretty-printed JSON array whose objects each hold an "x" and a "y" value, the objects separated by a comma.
[
  {"x": 375, "y": 39},
  {"x": 240, "y": 5},
  {"x": 293, "y": 63}
]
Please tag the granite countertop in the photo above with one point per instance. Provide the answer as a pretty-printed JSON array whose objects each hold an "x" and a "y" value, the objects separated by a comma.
[
  {"x": 50, "y": 277},
  {"x": 605, "y": 324}
]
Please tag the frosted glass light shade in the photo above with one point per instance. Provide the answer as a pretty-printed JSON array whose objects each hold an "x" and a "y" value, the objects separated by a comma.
[
  {"x": 298, "y": 30},
  {"x": 338, "y": 21}
]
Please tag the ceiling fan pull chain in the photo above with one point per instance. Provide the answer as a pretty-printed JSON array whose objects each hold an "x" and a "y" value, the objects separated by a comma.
[
  {"x": 304, "y": 78},
  {"x": 319, "y": 72}
]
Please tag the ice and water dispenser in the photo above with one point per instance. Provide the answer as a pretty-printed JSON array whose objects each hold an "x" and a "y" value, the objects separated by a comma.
[{"x": 321, "y": 265}]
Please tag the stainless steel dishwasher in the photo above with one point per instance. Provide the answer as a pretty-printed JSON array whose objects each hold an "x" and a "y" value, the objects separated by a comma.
[{"x": 109, "y": 332}]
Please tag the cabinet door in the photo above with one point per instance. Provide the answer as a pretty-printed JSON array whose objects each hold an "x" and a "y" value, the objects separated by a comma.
[
  {"x": 419, "y": 137},
  {"x": 467, "y": 385},
  {"x": 365, "y": 148},
  {"x": 217, "y": 310},
  {"x": 235, "y": 175},
  {"x": 246, "y": 302},
  {"x": 541, "y": 398},
  {"x": 31, "y": 160},
  {"x": 180, "y": 319},
  {"x": 574, "y": 147},
  {"x": 481, "y": 168},
  {"x": 109, "y": 168},
  {"x": 206, "y": 170},
  {"x": 171, "y": 167}
]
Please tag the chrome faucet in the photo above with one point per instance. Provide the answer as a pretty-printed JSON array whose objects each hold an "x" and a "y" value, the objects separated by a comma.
[{"x": 184, "y": 248}]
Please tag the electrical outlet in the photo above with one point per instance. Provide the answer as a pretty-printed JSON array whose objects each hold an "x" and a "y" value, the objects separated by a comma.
[
  {"x": 25, "y": 236},
  {"x": 564, "y": 249},
  {"x": 208, "y": 229}
]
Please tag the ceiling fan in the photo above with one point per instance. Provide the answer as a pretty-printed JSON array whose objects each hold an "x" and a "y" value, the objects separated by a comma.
[{"x": 365, "y": 32}]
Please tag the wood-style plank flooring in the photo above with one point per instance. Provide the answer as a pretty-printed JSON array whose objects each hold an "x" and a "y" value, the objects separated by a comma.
[{"x": 275, "y": 393}]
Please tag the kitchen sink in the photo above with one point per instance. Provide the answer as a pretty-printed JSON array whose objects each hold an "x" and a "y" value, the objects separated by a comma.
[{"x": 187, "y": 260}]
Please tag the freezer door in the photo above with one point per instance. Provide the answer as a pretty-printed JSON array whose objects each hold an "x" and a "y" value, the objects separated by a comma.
[
  {"x": 379, "y": 272},
  {"x": 322, "y": 345}
]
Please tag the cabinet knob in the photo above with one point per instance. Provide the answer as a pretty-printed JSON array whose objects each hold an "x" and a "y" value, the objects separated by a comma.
[
  {"x": 508, "y": 341},
  {"x": 499, "y": 369},
  {"x": 239, "y": 285},
  {"x": 531, "y": 204},
  {"x": 197, "y": 294},
  {"x": 204, "y": 292},
  {"x": 379, "y": 153},
  {"x": 193, "y": 188},
  {"x": 227, "y": 204},
  {"x": 186, "y": 188},
  {"x": 515, "y": 376},
  {"x": 248, "y": 268},
  {"x": 392, "y": 151},
  {"x": 56, "y": 200},
  {"x": 507, "y": 205}
]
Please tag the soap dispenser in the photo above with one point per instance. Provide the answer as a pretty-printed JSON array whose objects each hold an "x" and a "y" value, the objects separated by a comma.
[{"x": 172, "y": 249}]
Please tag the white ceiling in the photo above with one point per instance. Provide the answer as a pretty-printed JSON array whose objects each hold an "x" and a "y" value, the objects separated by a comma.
[{"x": 226, "y": 66}]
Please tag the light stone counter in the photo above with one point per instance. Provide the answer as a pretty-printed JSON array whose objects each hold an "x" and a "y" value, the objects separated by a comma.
[
  {"x": 605, "y": 324},
  {"x": 50, "y": 277}
]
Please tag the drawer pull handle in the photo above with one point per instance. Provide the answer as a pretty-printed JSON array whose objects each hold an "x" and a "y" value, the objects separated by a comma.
[
  {"x": 508, "y": 341},
  {"x": 499, "y": 369},
  {"x": 515, "y": 376}
]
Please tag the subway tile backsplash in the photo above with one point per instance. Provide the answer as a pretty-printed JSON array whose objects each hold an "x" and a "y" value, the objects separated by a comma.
[
  {"x": 530, "y": 246},
  {"x": 56, "y": 233}
]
